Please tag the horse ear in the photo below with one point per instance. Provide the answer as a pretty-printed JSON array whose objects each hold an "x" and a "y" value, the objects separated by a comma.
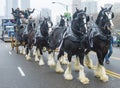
[
  {"x": 110, "y": 7},
  {"x": 85, "y": 9},
  {"x": 77, "y": 9},
  {"x": 102, "y": 8}
]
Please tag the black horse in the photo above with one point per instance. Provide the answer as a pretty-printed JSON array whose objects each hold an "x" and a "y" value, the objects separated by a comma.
[
  {"x": 42, "y": 40},
  {"x": 98, "y": 40},
  {"x": 30, "y": 35},
  {"x": 20, "y": 27},
  {"x": 72, "y": 44}
]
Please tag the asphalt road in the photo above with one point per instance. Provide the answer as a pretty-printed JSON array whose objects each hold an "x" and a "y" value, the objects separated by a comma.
[{"x": 16, "y": 72}]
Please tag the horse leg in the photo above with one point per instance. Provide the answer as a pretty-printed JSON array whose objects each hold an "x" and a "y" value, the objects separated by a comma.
[
  {"x": 51, "y": 56},
  {"x": 63, "y": 59},
  {"x": 41, "y": 61},
  {"x": 21, "y": 50},
  {"x": 77, "y": 64},
  {"x": 12, "y": 42},
  {"x": 24, "y": 50},
  {"x": 68, "y": 74},
  {"x": 100, "y": 70},
  {"x": 58, "y": 67},
  {"x": 28, "y": 53},
  {"x": 17, "y": 50},
  {"x": 36, "y": 52},
  {"x": 87, "y": 61},
  {"x": 16, "y": 44},
  {"x": 82, "y": 77}
]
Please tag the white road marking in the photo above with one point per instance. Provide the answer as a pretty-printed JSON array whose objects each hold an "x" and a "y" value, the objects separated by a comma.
[
  {"x": 10, "y": 53},
  {"x": 6, "y": 46},
  {"x": 21, "y": 71}
]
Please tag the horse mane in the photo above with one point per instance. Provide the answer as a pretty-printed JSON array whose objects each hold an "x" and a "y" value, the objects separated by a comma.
[
  {"x": 75, "y": 14},
  {"x": 56, "y": 36},
  {"x": 98, "y": 17}
]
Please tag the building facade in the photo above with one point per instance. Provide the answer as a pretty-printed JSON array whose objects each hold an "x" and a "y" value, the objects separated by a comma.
[
  {"x": 24, "y": 4},
  {"x": 15, "y": 4},
  {"x": 8, "y": 9},
  {"x": 75, "y": 4},
  {"x": 45, "y": 12},
  {"x": 116, "y": 7},
  {"x": 91, "y": 5}
]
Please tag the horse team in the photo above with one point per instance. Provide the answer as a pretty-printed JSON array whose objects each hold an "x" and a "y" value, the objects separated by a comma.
[{"x": 78, "y": 39}]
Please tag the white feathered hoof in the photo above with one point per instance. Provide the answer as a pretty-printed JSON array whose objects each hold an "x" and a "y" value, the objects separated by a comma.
[
  {"x": 84, "y": 80},
  {"x": 68, "y": 76},
  {"x": 58, "y": 68},
  {"x": 21, "y": 52},
  {"x": 63, "y": 60},
  {"x": 34, "y": 52},
  {"x": 41, "y": 62},
  {"x": 28, "y": 57},
  {"x": 96, "y": 72},
  {"x": 51, "y": 63},
  {"x": 36, "y": 59},
  {"x": 104, "y": 78},
  {"x": 24, "y": 52},
  {"x": 88, "y": 64}
]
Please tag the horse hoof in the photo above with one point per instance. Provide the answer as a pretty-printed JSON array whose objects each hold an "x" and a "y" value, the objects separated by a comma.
[
  {"x": 84, "y": 81},
  {"x": 36, "y": 60},
  {"x": 59, "y": 70},
  {"x": 104, "y": 78},
  {"x": 68, "y": 76}
]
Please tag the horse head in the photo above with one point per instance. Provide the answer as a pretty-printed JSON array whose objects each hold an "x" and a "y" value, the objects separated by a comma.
[
  {"x": 105, "y": 17},
  {"x": 62, "y": 21},
  {"x": 79, "y": 23},
  {"x": 78, "y": 11},
  {"x": 44, "y": 27}
]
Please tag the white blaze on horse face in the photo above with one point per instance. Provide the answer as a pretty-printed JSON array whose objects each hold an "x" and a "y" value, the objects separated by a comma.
[
  {"x": 49, "y": 24},
  {"x": 84, "y": 20},
  {"x": 109, "y": 15}
]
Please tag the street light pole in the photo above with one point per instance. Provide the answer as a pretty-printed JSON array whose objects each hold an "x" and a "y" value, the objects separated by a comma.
[{"x": 66, "y": 6}]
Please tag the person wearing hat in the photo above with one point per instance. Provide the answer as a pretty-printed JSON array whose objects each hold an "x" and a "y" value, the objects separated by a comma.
[
  {"x": 16, "y": 13},
  {"x": 27, "y": 13}
]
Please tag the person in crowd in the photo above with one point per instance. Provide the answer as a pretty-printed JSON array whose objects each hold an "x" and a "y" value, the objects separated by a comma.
[
  {"x": 27, "y": 13},
  {"x": 16, "y": 13}
]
